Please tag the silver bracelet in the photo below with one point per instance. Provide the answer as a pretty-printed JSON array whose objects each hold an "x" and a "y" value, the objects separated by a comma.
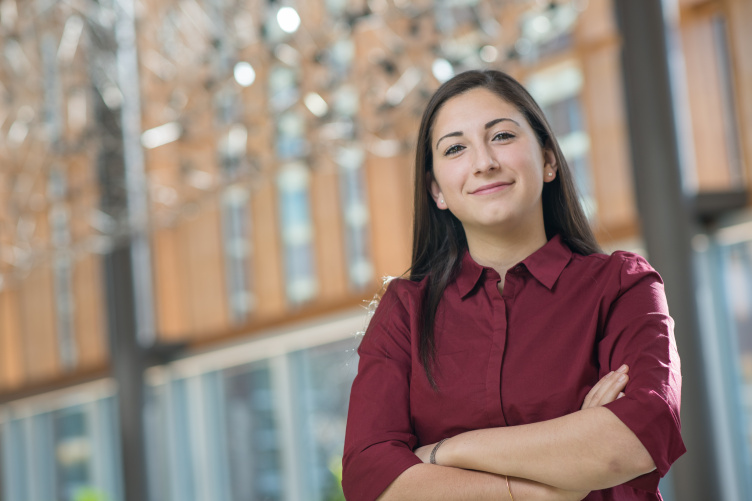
[{"x": 436, "y": 448}]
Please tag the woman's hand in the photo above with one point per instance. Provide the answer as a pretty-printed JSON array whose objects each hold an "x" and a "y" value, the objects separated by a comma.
[
  {"x": 605, "y": 391},
  {"x": 608, "y": 389}
]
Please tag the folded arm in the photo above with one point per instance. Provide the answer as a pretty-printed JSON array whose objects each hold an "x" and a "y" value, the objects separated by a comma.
[
  {"x": 431, "y": 482},
  {"x": 587, "y": 450}
]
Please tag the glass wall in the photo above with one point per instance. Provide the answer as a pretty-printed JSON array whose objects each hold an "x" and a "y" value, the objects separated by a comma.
[
  {"x": 67, "y": 453},
  {"x": 736, "y": 290},
  {"x": 297, "y": 232},
  {"x": 323, "y": 376},
  {"x": 252, "y": 431},
  {"x": 557, "y": 90},
  {"x": 356, "y": 216},
  {"x": 267, "y": 429},
  {"x": 249, "y": 427},
  {"x": 724, "y": 295}
]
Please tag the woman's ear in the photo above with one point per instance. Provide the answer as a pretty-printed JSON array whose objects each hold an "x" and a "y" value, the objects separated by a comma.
[
  {"x": 550, "y": 167},
  {"x": 435, "y": 191}
]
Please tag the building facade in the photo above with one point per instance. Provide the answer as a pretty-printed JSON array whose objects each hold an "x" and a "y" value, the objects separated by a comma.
[{"x": 257, "y": 158}]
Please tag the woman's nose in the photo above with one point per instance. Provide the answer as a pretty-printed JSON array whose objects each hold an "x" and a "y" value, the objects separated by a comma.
[{"x": 485, "y": 160}]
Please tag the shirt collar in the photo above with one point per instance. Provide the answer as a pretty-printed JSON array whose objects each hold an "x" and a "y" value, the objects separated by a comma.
[{"x": 545, "y": 264}]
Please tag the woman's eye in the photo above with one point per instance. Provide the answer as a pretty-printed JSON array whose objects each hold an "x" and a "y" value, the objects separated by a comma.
[
  {"x": 503, "y": 136},
  {"x": 453, "y": 149}
]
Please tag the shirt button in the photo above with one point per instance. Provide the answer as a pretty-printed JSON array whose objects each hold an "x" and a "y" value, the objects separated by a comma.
[{"x": 518, "y": 268}]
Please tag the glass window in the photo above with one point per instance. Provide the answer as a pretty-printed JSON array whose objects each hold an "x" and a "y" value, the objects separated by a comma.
[
  {"x": 232, "y": 149},
  {"x": 725, "y": 295},
  {"x": 297, "y": 232},
  {"x": 738, "y": 279},
  {"x": 106, "y": 480},
  {"x": 42, "y": 456},
  {"x": 356, "y": 216},
  {"x": 181, "y": 443},
  {"x": 291, "y": 140},
  {"x": 451, "y": 14},
  {"x": 283, "y": 88},
  {"x": 216, "y": 461},
  {"x": 340, "y": 58},
  {"x": 2, "y": 465},
  {"x": 52, "y": 95},
  {"x": 73, "y": 453},
  {"x": 546, "y": 30},
  {"x": 237, "y": 248},
  {"x": 155, "y": 423},
  {"x": 63, "y": 273},
  {"x": 336, "y": 7},
  {"x": 271, "y": 30},
  {"x": 65, "y": 455},
  {"x": 252, "y": 438},
  {"x": 62, "y": 268},
  {"x": 15, "y": 459},
  {"x": 557, "y": 91},
  {"x": 323, "y": 377}
]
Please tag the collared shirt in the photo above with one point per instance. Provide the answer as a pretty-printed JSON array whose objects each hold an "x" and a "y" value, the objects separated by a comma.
[{"x": 526, "y": 355}]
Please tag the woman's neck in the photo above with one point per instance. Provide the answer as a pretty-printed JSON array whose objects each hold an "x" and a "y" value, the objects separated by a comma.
[{"x": 501, "y": 251}]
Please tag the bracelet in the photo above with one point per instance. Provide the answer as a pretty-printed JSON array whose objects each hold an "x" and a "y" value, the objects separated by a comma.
[
  {"x": 436, "y": 448},
  {"x": 508, "y": 489}
]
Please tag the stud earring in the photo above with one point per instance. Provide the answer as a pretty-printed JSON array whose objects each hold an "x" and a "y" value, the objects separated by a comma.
[
  {"x": 441, "y": 201},
  {"x": 550, "y": 174}
]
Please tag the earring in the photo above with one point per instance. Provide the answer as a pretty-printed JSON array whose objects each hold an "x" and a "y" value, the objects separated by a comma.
[
  {"x": 550, "y": 174},
  {"x": 441, "y": 201}
]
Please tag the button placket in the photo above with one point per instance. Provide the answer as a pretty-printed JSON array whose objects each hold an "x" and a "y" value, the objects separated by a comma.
[{"x": 493, "y": 377}]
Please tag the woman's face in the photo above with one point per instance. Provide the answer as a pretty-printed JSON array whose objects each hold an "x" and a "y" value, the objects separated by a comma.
[{"x": 488, "y": 167}]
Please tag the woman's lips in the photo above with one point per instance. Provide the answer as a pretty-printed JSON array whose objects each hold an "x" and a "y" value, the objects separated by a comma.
[{"x": 490, "y": 188}]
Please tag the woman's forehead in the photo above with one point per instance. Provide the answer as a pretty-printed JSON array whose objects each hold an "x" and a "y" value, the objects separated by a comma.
[{"x": 478, "y": 105}]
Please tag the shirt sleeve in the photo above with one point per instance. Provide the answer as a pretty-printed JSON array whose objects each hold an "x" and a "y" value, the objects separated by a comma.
[
  {"x": 640, "y": 333},
  {"x": 379, "y": 439}
]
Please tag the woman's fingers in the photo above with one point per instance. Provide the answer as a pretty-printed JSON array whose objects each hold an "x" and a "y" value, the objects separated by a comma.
[
  {"x": 607, "y": 389},
  {"x": 617, "y": 382},
  {"x": 610, "y": 386}
]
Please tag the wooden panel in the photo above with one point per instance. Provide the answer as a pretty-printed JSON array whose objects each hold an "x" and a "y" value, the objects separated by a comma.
[
  {"x": 11, "y": 360},
  {"x": 740, "y": 19},
  {"x": 37, "y": 312},
  {"x": 603, "y": 101},
  {"x": 201, "y": 239},
  {"x": 90, "y": 326},
  {"x": 694, "y": 3},
  {"x": 331, "y": 261},
  {"x": 706, "y": 105},
  {"x": 390, "y": 186},
  {"x": 172, "y": 323},
  {"x": 596, "y": 22},
  {"x": 267, "y": 280}
]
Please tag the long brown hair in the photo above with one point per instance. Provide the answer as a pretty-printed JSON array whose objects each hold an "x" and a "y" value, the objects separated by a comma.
[{"x": 439, "y": 240}]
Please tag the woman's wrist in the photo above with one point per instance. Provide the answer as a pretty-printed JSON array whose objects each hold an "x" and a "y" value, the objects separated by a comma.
[
  {"x": 449, "y": 453},
  {"x": 432, "y": 457}
]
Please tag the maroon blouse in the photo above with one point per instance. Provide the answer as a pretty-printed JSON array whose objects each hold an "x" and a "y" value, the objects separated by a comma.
[{"x": 530, "y": 354}]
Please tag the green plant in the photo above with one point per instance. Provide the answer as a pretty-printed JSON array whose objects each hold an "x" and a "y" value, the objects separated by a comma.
[
  {"x": 90, "y": 494},
  {"x": 335, "y": 490}
]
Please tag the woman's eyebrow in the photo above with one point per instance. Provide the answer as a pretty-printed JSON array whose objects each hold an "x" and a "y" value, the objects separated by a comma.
[
  {"x": 497, "y": 120},
  {"x": 451, "y": 134},
  {"x": 487, "y": 126}
]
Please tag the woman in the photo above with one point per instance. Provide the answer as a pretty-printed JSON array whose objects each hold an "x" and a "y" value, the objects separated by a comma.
[{"x": 501, "y": 358}]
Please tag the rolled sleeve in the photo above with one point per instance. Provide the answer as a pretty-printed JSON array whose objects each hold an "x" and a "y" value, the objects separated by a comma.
[
  {"x": 379, "y": 439},
  {"x": 640, "y": 333}
]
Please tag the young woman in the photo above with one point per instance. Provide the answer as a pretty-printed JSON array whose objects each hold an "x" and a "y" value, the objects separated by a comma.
[{"x": 494, "y": 372}]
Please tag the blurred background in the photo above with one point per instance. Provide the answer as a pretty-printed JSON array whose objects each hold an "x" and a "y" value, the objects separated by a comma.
[{"x": 198, "y": 199}]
